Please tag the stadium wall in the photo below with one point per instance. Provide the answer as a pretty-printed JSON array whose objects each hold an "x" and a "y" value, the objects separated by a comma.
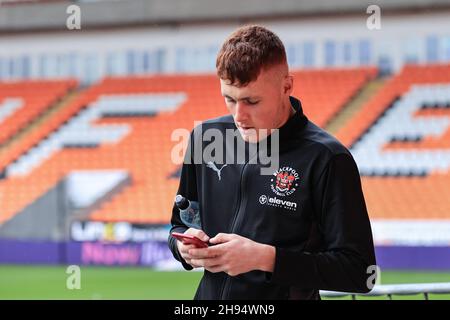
[
  {"x": 192, "y": 48},
  {"x": 156, "y": 254}
]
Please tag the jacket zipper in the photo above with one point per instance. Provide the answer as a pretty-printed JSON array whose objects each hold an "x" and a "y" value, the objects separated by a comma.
[{"x": 226, "y": 285}]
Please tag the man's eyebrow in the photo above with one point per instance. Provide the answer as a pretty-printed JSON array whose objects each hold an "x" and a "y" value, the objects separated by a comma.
[{"x": 244, "y": 98}]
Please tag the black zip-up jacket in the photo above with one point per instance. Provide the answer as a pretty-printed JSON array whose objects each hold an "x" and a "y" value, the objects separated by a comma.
[{"x": 311, "y": 209}]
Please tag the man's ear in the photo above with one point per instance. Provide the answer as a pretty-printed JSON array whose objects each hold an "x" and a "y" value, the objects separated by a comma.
[{"x": 288, "y": 84}]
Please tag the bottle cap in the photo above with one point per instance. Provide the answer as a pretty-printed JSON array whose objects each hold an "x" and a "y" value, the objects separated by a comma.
[{"x": 181, "y": 202}]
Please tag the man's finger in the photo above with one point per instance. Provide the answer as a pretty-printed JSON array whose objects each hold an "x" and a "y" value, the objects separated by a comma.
[
  {"x": 209, "y": 252},
  {"x": 221, "y": 237},
  {"x": 207, "y": 263},
  {"x": 198, "y": 233},
  {"x": 184, "y": 249},
  {"x": 193, "y": 263}
]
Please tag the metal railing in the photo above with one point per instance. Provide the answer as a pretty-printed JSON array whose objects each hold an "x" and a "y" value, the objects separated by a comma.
[{"x": 395, "y": 289}]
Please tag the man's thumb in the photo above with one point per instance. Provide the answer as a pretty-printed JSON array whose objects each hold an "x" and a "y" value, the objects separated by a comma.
[{"x": 219, "y": 238}]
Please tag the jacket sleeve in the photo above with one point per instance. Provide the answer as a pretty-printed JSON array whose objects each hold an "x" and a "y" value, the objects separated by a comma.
[
  {"x": 345, "y": 229},
  {"x": 187, "y": 188}
]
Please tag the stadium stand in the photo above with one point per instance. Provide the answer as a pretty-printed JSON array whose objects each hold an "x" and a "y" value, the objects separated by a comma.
[
  {"x": 21, "y": 102},
  {"x": 400, "y": 139},
  {"x": 324, "y": 93},
  {"x": 126, "y": 123}
]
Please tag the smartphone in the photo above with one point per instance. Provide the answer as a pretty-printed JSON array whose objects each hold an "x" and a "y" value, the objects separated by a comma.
[{"x": 190, "y": 239}]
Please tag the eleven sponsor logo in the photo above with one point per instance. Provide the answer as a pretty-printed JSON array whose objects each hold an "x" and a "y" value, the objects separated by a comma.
[{"x": 278, "y": 203}]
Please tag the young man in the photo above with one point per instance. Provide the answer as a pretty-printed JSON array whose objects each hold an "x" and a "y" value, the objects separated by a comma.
[{"x": 280, "y": 236}]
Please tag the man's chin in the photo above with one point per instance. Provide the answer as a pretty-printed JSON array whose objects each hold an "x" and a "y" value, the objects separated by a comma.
[
  {"x": 249, "y": 138},
  {"x": 249, "y": 135},
  {"x": 253, "y": 136}
]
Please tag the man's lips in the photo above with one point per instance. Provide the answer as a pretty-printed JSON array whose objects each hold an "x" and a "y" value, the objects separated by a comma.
[{"x": 246, "y": 129}]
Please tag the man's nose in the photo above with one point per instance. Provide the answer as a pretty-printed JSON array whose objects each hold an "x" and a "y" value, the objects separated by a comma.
[{"x": 240, "y": 113}]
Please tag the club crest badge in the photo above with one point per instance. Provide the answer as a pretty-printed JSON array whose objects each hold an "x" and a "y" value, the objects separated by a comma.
[{"x": 284, "y": 181}]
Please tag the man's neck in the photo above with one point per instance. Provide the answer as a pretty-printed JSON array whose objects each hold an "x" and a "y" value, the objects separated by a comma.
[{"x": 291, "y": 112}]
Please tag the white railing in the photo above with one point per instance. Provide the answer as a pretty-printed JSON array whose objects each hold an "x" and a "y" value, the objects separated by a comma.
[{"x": 395, "y": 289}]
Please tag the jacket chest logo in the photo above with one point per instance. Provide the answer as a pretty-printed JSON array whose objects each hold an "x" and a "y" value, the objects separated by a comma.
[
  {"x": 213, "y": 166},
  {"x": 284, "y": 181}
]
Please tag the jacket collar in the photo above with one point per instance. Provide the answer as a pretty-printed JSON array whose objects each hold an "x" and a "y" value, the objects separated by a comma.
[
  {"x": 290, "y": 130},
  {"x": 295, "y": 123}
]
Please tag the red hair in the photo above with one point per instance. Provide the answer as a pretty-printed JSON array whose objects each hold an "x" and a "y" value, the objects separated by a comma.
[{"x": 246, "y": 52}]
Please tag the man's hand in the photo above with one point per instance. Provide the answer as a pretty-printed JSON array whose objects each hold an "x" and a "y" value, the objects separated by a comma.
[
  {"x": 184, "y": 248},
  {"x": 233, "y": 254}
]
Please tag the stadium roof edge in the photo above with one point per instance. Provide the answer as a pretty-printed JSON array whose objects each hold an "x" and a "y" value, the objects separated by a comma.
[{"x": 51, "y": 15}]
